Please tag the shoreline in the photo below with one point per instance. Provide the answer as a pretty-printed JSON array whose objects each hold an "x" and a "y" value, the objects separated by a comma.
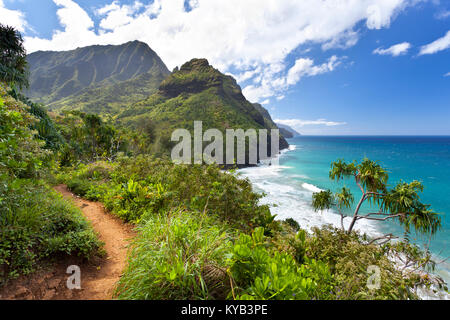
[{"x": 371, "y": 229}]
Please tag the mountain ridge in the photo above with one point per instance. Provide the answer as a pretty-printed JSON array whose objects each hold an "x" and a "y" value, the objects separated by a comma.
[
  {"x": 197, "y": 91},
  {"x": 69, "y": 79}
]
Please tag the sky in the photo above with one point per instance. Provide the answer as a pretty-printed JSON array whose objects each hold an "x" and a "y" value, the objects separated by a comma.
[{"x": 330, "y": 67}]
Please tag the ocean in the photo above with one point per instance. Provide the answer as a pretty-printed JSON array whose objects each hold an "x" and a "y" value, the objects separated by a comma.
[{"x": 304, "y": 168}]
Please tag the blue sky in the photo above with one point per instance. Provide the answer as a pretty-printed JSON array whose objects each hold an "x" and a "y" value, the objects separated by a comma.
[{"x": 376, "y": 67}]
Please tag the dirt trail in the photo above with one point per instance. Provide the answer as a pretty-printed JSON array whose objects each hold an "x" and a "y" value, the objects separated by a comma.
[
  {"x": 115, "y": 234},
  {"x": 98, "y": 276}
]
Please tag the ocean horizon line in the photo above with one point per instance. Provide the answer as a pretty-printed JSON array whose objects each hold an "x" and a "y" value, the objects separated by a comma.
[{"x": 371, "y": 135}]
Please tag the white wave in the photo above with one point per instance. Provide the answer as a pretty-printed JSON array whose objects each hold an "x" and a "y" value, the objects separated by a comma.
[
  {"x": 291, "y": 198},
  {"x": 311, "y": 187}
]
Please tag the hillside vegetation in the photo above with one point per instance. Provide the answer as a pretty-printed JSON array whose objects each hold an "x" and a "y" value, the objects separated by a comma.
[
  {"x": 202, "y": 232},
  {"x": 35, "y": 222},
  {"x": 195, "y": 92},
  {"x": 95, "y": 79}
]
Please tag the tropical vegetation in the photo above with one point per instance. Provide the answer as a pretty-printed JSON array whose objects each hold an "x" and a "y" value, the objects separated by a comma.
[{"x": 202, "y": 232}]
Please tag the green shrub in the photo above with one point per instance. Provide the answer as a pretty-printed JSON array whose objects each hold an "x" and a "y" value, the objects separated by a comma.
[
  {"x": 260, "y": 274},
  {"x": 179, "y": 255},
  {"x": 37, "y": 223},
  {"x": 133, "y": 187},
  {"x": 349, "y": 256},
  {"x": 294, "y": 224},
  {"x": 79, "y": 186}
]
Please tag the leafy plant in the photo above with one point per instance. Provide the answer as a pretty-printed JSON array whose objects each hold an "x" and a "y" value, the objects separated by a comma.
[{"x": 258, "y": 274}]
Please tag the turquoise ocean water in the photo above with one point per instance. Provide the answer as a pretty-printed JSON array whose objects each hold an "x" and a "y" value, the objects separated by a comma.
[{"x": 304, "y": 169}]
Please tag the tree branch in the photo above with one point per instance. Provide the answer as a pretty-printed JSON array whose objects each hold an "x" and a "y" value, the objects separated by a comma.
[
  {"x": 387, "y": 238},
  {"x": 390, "y": 216}
]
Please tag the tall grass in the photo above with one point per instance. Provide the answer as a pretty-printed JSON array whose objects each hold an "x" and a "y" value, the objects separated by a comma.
[{"x": 180, "y": 255}]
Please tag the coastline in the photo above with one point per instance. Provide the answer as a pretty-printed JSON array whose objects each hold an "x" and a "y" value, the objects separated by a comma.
[{"x": 264, "y": 177}]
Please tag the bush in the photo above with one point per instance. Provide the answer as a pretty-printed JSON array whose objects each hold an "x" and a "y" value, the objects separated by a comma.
[
  {"x": 79, "y": 186},
  {"x": 294, "y": 224},
  {"x": 37, "y": 223},
  {"x": 144, "y": 185},
  {"x": 349, "y": 256},
  {"x": 180, "y": 255},
  {"x": 260, "y": 274}
]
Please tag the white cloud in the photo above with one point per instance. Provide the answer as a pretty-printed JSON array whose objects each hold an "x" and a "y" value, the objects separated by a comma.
[
  {"x": 395, "y": 50},
  {"x": 78, "y": 30},
  {"x": 247, "y": 74},
  {"x": 447, "y": 74},
  {"x": 345, "y": 40},
  {"x": 117, "y": 15},
  {"x": 274, "y": 79},
  {"x": 443, "y": 14},
  {"x": 305, "y": 67},
  {"x": 299, "y": 123},
  {"x": 13, "y": 18},
  {"x": 237, "y": 35},
  {"x": 437, "y": 45}
]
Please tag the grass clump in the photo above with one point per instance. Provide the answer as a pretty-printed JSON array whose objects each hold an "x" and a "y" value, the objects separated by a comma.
[
  {"x": 180, "y": 255},
  {"x": 36, "y": 223}
]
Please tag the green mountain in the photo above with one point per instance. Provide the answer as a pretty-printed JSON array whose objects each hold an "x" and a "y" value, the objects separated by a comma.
[
  {"x": 96, "y": 79},
  {"x": 196, "y": 91}
]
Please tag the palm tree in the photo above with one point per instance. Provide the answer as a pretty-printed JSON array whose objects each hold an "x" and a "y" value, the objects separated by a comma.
[{"x": 13, "y": 63}]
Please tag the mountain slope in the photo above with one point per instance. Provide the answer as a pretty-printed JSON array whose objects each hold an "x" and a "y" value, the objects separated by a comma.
[
  {"x": 196, "y": 92},
  {"x": 287, "y": 131},
  {"x": 100, "y": 79}
]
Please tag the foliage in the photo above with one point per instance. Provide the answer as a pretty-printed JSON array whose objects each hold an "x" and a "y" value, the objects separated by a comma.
[
  {"x": 45, "y": 126},
  {"x": 401, "y": 203},
  {"x": 37, "y": 223},
  {"x": 134, "y": 186},
  {"x": 293, "y": 223},
  {"x": 21, "y": 156},
  {"x": 88, "y": 138},
  {"x": 349, "y": 256},
  {"x": 177, "y": 255},
  {"x": 13, "y": 63},
  {"x": 95, "y": 79},
  {"x": 286, "y": 264},
  {"x": 261, "y": 275}
]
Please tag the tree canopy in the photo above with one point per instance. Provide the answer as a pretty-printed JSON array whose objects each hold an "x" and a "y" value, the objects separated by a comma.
[
  {"x": 13, "y": 63},
  {"x": 401, "y": 202}
]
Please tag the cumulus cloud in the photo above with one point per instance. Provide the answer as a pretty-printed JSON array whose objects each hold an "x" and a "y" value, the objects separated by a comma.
[
  {"x": 275, "y": 79},
  {"x": 116, "y": 15},
  {"x": 447, "y": 74},
  {"x": 250, "y": 38},
  {"x": 437, "y": 45},
  {"x": 299, "y": 123},
  {"x": 305, "y": 67},
  {"x": 395, "y": 50},
  {"x": 13, "y": 18}
]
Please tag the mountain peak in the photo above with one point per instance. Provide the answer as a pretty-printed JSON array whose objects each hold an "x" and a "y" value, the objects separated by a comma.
[
  {"x": 193, "y": 76},
  {"x": 58, "y": 78},
  {"x": 196, "y": 64}
]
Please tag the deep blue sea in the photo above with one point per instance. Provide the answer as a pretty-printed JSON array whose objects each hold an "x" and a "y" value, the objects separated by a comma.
[{"x": 304, "y": 169}]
